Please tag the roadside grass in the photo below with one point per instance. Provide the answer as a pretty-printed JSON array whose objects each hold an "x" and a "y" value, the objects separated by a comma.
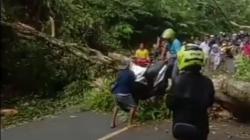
[{"x": 97, "y": 98}]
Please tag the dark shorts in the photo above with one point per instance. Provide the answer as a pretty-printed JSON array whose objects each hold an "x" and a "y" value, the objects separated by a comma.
[{"x": 125, "y": 102}]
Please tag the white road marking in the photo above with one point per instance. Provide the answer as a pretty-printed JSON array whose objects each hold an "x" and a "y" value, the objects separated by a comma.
[{"x": 117, "y": 132}]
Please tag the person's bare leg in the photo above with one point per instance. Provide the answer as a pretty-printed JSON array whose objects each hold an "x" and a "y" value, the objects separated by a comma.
[
  {"x": 136, "y": 114},
  {"x": 165, "y": 100},
  {"x": 115, "y": 112},
  {"x": 131, "y": 115}
]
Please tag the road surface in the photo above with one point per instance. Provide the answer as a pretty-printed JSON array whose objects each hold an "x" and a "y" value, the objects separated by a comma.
[{"x": 92, "y": 126}]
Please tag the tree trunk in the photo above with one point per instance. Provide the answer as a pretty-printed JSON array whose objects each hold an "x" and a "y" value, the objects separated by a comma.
[{"x": 234, "y": 96}]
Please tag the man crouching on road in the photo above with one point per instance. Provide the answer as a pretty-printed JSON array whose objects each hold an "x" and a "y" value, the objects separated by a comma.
[
  {"x": 193, "y": 95},
  {"x": 123, "y": 92}
]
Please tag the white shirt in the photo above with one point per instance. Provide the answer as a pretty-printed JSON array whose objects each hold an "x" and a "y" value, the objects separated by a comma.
[{"x": 205, "y": 48}]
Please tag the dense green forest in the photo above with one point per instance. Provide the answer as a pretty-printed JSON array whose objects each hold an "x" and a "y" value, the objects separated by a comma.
[{"x": 50, "y": 48}]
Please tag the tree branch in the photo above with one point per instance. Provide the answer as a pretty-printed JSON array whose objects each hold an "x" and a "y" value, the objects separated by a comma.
[
  {"x": 240, "y": 26},
  {"x": 29, "y": 32},
  {"x": 226, "y": 17},
  {"x": 52, "y": 24}
]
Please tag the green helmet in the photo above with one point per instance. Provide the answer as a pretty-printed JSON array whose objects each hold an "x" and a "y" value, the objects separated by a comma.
[
  {"x": 168, "y": 34},
  {"x": 190, "y": 55}
]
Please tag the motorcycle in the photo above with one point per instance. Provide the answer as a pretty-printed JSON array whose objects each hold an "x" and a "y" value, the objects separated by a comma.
[{"x": 151, "y": 80}]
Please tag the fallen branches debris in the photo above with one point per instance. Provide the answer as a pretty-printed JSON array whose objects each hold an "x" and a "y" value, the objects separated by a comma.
[{"x": 28, "y": 32}]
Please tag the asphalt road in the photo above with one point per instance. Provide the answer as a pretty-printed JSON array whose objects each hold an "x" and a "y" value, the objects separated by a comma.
[{"x": 91, "y": 126}]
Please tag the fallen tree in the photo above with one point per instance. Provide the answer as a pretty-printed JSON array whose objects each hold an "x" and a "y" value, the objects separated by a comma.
[
  {"x": 234, "y": 96},
  {"x": 28, "y": 32},
  {"x": 75, "y": 58}
]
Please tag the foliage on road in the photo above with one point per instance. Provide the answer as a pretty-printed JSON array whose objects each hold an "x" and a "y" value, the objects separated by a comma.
[
  {"x": 243, "y": 68},
  {"x": 100, "y": 97},
  {"x": 36, "y": 108}
]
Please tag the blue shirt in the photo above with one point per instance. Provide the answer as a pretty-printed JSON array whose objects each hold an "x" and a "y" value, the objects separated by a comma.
[
  {"x": 175, "y": 47},
  {"x": 125, "y": 82}
]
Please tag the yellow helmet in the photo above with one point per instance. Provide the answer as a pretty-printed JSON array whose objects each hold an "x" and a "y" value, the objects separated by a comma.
[
  {"x": 190, "y": 55},
  {"x": 168, "y": 34}
]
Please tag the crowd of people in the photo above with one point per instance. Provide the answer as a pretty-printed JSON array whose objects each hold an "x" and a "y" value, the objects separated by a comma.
[
  {"x": 193, "y": 93},
  {"x": 220, "y": 50}
]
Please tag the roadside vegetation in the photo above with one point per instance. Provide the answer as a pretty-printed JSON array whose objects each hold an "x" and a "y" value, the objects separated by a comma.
[{"x": 243, "y": 69}]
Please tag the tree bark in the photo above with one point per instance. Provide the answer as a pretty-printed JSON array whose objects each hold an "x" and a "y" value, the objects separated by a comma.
[{"x": 234, "y": 96}]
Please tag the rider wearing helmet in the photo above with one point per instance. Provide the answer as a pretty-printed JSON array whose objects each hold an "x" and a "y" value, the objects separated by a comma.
[
  {"x": 174, "y": 46},
  {"x": 193, "y": 95},
  {"x": 191, "y": 56}
]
